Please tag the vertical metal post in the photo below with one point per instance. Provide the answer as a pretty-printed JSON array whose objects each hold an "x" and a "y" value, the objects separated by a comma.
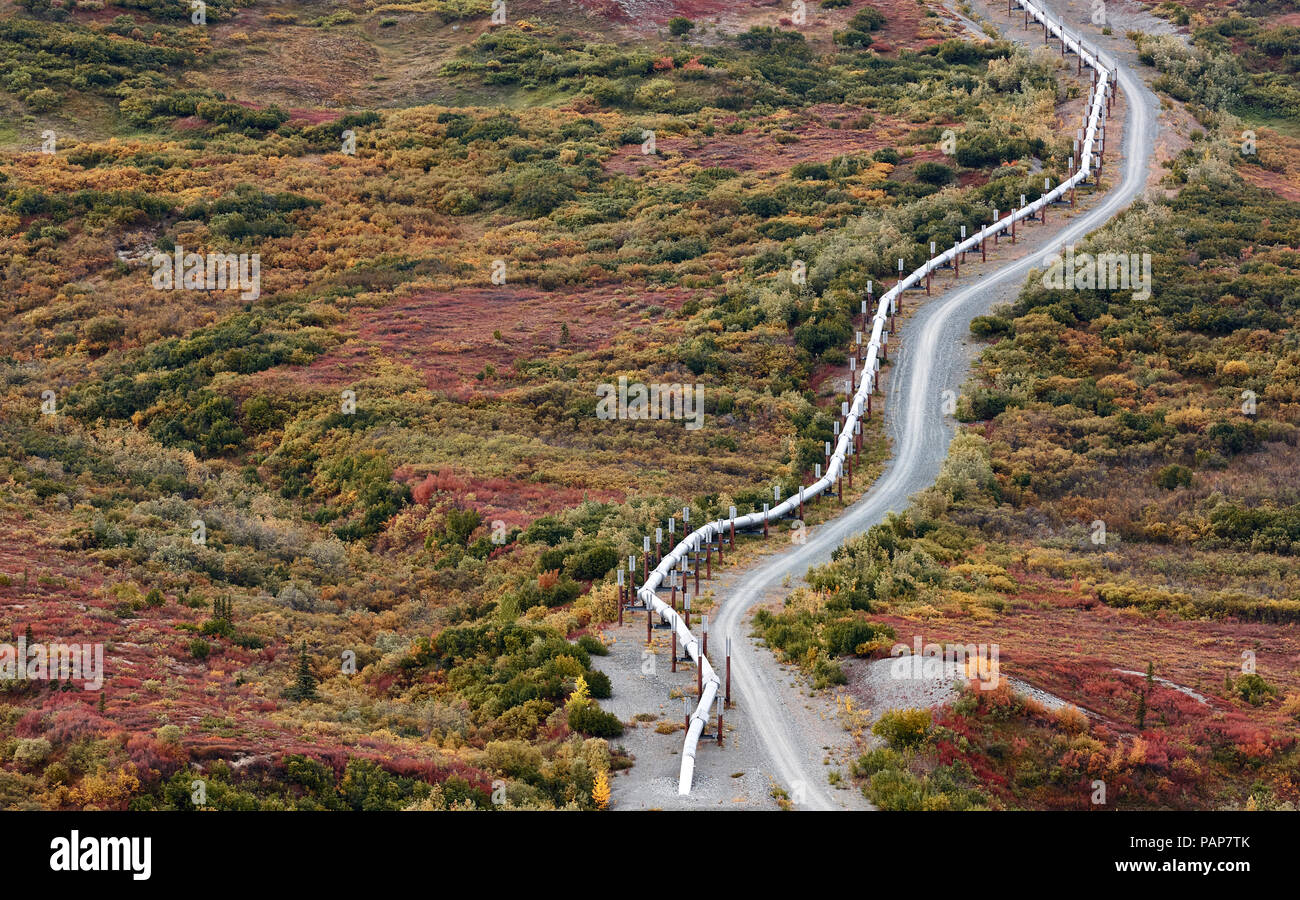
[{"x": 728, "y": 671}]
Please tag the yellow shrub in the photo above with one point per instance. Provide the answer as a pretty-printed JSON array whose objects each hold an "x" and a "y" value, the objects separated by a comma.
[
  {"x": 104, "y": 789},
  {"x": 1291, "y": 706},
  {"x": 1193, "y": 418},
  {"x": 1071, "y": 720}
]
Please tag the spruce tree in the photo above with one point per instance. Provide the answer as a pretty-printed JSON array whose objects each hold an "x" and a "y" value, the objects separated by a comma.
[{"x": 304, "y": 687}]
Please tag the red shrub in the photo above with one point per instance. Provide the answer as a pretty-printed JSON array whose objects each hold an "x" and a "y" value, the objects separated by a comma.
[
  {"x": 154, "y": 759},
  {"x": 72, "y": 722},
  {"x": 32, "y": 724}
]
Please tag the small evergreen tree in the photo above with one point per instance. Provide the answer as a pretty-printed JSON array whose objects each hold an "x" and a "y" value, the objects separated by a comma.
[{"x": 304, "y": 686}]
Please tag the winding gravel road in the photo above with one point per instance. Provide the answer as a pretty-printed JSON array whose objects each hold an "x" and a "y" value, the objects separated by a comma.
[{"x": 931, "y": 360}]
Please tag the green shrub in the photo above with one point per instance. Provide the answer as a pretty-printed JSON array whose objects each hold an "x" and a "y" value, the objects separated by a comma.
[
  {"x": 867, "y": 19},
  {"x": 827, "y": 672},
  {"x": 1254, "y": 689},
  {"x": 593, "y": 645},
  {"x": 42, "y": 100},
  {"x": 986, "y": 327},
  {"x": 903, "y": 728},
  {"x": 933, "y": 173},
  {"x": 593, "y": 563},
  {"x": 852, "y": 37},
  {"x": 31, "y": 751},
  {"x": 876, "y": 760},
  {"x": 1174, "y": 476},
  {"x": 589, "y": 719},
  {"x": 598, "y": 684}
]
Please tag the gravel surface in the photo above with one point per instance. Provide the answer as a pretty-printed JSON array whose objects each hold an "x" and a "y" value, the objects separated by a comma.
[
  {"x": 879, "y": 690},
  {"x": 1182, "y": 689}
]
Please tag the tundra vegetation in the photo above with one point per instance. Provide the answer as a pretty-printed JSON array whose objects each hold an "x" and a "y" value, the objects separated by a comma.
[{"x": 348, "y": 544}]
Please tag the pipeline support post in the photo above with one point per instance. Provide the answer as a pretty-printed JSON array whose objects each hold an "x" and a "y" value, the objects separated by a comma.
[{"x": 728, "y": 671}]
